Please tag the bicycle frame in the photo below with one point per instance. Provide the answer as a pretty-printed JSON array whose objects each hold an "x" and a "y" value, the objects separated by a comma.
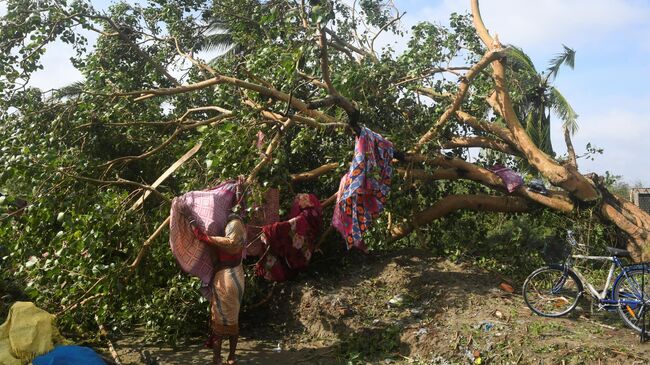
[{"x": 602, "y": 296}]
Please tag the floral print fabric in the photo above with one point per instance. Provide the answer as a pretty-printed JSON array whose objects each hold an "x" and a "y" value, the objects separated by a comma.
[
  {"x": 290, "y": 244},
  {"x": 363, "y": 189}
]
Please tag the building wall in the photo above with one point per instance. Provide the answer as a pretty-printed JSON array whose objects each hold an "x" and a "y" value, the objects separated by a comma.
[{"x": 641, "y": 198}]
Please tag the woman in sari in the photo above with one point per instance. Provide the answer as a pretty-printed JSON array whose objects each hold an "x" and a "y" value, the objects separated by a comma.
[{"x": 227, "y": 285}]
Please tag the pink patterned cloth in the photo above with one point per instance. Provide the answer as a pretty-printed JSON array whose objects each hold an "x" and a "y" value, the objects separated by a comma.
[{"x": 208, "y": 210}]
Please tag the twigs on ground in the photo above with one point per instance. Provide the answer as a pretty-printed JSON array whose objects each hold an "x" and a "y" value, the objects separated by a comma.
[{"x": 104, "y": 333}]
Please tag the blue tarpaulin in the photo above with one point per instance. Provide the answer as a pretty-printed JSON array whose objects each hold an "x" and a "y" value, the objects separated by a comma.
[{"x": 69, "y": 355}]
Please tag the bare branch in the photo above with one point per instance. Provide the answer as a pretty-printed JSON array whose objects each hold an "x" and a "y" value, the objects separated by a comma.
[
  {"x": 147, "y": 243},
  {"x": 122, "y": 182},
  {"x": 573, "y": 161},
  {"x": 432, "y": 71},
  {"x": 315, "y": 173},
  {"x": 348, "y": 45},
  {"x": 482, "y": 142},
  {"x": 453, "y": 203},
  {"x": 460, "y": 95},
  {"x": 166, "y": 174},
  {"x": 383, "y": 28},
  {"x": 169, "y": 140},
  {"x": 429, "y": 92}
]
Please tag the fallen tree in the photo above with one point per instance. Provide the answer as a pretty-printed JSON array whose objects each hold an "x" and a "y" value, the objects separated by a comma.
[{"x": 306, "y": 75}]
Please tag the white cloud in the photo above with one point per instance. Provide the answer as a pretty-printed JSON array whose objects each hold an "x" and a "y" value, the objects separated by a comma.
[
  {"x": 544, "y": 23},
  {"x": 58, "y": 70},
  {"x": 623, "y": 135}
]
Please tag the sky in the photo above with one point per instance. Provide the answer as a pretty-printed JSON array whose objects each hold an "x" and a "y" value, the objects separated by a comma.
[{"x": 609, "y": 87}]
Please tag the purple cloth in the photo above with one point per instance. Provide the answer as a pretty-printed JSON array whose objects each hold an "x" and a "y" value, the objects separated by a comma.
[
  {"x": 208, "y": 210},
  {"x": 511, "y": 179}
]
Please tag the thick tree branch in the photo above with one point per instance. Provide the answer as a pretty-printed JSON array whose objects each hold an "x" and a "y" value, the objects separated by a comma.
[
  {"x": 566, "y": 177},
  {"x": 492, "y": 128},
  {"x": 455, "y": 168},
  {"x": 315, "y": 173},
  {"x": 452, "y": 203},
  {"x": 296, "y": 118},
  {"x": 482, "y": 142},
  {"x": 480, "y": 26},
  {"x": 465, "y": 82}
]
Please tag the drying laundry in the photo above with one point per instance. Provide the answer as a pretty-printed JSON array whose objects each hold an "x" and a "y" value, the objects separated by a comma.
[
  {"x": 207, "y": 211},
  {"x": 363, "y": 189},
  {"x": 510, "y": 178},
  {"x": 290, "y": 244}
]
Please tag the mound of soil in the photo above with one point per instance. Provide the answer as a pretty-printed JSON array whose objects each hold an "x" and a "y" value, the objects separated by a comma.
[{"x": 411, "y": 308}]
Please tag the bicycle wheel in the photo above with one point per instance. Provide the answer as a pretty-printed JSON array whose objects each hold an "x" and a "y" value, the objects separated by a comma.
[
  {"x": 627, "y": 289},
  {"x": 552, "y": 291}
]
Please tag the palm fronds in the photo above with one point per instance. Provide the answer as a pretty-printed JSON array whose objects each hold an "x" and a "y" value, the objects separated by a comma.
[
  {"x": 567, "y": 57},
  {"x": 68, "y": 91},
  {"x": 563, "y": 110}
]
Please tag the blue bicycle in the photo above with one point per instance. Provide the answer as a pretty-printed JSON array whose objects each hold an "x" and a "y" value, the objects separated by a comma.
[{"x": 554, "y": 290}]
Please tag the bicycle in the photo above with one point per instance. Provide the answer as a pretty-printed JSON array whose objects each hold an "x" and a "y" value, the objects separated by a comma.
[{"x": 554, "y": 290}]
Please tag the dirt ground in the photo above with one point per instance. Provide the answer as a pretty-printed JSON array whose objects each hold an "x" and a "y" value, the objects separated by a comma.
[{"x": 411, "y": 308}]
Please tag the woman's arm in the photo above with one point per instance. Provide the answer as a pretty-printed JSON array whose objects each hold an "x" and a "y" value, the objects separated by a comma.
[{"x": 219, "y": 241}]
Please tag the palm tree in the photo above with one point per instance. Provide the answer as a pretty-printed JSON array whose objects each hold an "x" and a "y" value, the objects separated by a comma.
[
  {"x": 220, "y": 40},
  {"x": 539, "y": 98}
]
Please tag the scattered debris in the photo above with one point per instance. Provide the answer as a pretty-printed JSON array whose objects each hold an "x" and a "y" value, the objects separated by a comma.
[
  {"x": 485, "y": 325},
  {"x": 396, "y": 301},
  {"x": 506, "y": 287}
]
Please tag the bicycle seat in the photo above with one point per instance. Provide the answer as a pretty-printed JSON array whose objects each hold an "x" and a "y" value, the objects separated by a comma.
[{"x": 618, "y": 252}]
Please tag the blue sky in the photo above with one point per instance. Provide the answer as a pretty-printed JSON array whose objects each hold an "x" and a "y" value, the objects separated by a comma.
[{"x": 609, "y": 88}]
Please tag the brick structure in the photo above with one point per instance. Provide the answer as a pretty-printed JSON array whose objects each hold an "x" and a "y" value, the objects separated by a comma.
[{"x": 641, "y": 198}]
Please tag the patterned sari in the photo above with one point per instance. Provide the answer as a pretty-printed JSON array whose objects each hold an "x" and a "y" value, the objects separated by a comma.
[
  {"x": 228, "y": 282},
  {"x": 363, "y": 189}
]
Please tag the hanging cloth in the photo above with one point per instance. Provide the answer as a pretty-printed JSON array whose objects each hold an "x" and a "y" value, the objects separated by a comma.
[
  {"x": 363, "y": 189},
  {"x": 510, "y": 178},
  {"x": 207, "y": 211},
  {"x": 290, "y": 244}
]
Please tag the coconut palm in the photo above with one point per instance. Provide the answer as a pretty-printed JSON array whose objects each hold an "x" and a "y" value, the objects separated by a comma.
[{"x": 540, "y": 99}]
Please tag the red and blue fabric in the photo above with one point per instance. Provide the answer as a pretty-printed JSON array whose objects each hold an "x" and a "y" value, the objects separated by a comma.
[{"x": 364, "y": 188}]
